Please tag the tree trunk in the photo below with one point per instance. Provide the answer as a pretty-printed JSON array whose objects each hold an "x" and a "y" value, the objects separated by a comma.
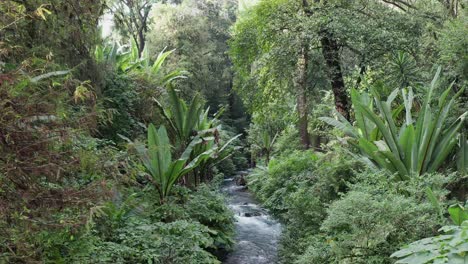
[
  {"x": 141, "y": 42},
  {"x": 330, "y": 51},
  {"x": 301, "y": 93}
]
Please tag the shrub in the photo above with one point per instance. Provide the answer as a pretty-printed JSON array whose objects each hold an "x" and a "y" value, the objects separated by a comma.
[
  {"x": 451, "y": 247},
  {"x": 209, "y": 208},
  {"x": 272, "y": 185},
  {"x": 287, "y": 141},
  {"x": 297, "y": 188},
  {"x": 142, "y": 241},
  {"x": 374, "y": 218},
  {"x": 307, "y": 205},
  {"x": 119, "y": 101},
  {"x": 138, "y": 229}
]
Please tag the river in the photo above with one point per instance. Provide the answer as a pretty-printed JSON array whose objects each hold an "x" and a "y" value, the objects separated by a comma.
[{"x": 257, "y": 233}]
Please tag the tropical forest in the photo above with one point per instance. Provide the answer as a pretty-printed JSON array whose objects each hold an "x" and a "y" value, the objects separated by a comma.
[{"x": 234, "y": 131}]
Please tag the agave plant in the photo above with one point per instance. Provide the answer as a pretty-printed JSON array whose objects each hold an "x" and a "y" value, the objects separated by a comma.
[
  {"x": 462, "y": 160},
  {"x": 414, "y": 148},
  {"x": 159, "y": 163}
]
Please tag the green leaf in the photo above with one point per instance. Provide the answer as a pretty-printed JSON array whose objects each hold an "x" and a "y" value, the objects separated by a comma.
[
  {"x": 435, "y": 202},
  {"x": 346, "y": 127},
  {"x": 160, "y": 60},
  {"x": 407, "y": 144},
  {"x": 458, "y": 214}
]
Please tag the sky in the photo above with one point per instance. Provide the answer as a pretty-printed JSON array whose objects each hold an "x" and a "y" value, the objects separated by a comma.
[{"x": 106, "y": 24}]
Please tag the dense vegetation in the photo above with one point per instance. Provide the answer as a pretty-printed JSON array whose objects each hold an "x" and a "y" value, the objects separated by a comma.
[
  {"x": 389, "y": 139},
  {"x": 351, "y": 112}
]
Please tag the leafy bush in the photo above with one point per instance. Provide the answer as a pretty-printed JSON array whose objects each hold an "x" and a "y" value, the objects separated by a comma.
[
  {"x": 297, "y": 188},
  {"x": 273, "y": 184},
  {"x": 324, "y": 175},
  {"x": 373, "y": 219},
  {"x": 209, "y": 208},
  {"x": 189, "y": 228},
  {"x": 142, "y": 241},
  {"x": 288, "y": 141},
  {"x": 120, "y": 99},
  {"x": 451, "y": 247}
]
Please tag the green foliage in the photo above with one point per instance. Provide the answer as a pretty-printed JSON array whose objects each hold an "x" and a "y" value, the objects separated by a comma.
[
  {"x": 157, "y": 158},
  {"x": 127, "y": 60},
  {"x": 141, "y": 241},
  {"x": 234, "y": 159},
  {"x": 402, "y": 70},
  {"x": 370, "y": 220},
  {"x": 186, "y": 229},
  {"x": 458, "y": 214},
  {"x": 272, "y": 184},
  {"x": 191, "y": 123},
  {"x": 452, "y": 46},
  {"x": 265, "y": 145},
  {"x": 414, "y": 148},
  {"x": 373, "y": 219},
  {"x": 287, "y": 141},
  {"x": 297, "y": 187},
  {"x": 208, "y": 208},
  {"x": 267, "y": 39},
  {"x": 185, "y": 120},
  {"x": 120, "y": 99},
  {"x": 283, "y": 185},
  {"x": 369, "y": 227},
  {"x": 202, "y": 30},
  {"x": 451, "y": 247},
  {"x": 462, "y": 155}
]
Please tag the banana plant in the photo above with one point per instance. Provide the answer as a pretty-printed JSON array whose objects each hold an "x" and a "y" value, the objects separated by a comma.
[
  {"x": 190, "y": 121},
  {"x": 186, "y": 121},
  {"x": 159, "y": 163},
  {"x": 219, "y": 152},
  {"x": 417, "y": 146},
  {"x": 265, "y": 144},
  {"x": 130, "y": 62}
]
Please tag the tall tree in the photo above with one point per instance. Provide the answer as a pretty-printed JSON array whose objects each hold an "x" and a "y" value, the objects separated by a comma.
[
  {"x": 132, "y": 18},
  {"x": 331, "y": 53},
  {"x": 300, "y": 82},
  {"x": 198, "y": 30}
]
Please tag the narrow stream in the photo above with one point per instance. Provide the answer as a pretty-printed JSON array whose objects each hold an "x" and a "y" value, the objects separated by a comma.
[{"x": 257, "y": 233}]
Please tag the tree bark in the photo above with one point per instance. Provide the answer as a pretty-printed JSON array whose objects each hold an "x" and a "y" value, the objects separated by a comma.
[
  {"x": 141, "y": 42},
  {"x": 301, "y": 95},
  {"x": 330, "y": 51}
]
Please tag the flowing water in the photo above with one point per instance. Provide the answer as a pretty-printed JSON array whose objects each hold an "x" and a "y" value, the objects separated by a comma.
[{"x": 256, "y": 232}]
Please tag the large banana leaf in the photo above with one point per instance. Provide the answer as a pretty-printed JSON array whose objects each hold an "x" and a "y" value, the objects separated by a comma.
[
  {"x": 157, "y": 159},
  {"x": 185, "y": 120}
]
